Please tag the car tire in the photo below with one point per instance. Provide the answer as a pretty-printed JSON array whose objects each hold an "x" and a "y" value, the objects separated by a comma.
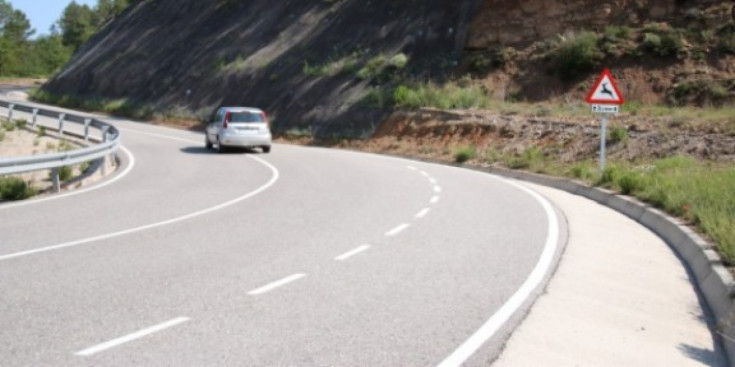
[
  {"x": 207, "y": 144},
  {"x": 221, "y": 148},
  {"x": 266, "y": 149}
]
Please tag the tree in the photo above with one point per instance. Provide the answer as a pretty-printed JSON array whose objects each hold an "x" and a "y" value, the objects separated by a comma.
[{"x": 77, "y": 24}]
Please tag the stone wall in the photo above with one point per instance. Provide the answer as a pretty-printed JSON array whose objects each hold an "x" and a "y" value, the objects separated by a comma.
[{"x": 509, "y": 22}]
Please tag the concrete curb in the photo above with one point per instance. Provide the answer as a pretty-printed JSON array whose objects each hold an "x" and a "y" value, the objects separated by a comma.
[{"x": 714, "y": 281}]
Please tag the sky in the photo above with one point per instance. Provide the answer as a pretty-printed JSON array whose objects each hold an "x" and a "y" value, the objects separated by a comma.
[{"x": 43, "y": 13}]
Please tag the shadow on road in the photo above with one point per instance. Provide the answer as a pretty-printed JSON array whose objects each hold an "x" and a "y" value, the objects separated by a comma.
[{"x": 205, "y": 151}]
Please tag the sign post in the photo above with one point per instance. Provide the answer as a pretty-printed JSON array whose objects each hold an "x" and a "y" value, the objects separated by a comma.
[{"x": 605, "y": 98}]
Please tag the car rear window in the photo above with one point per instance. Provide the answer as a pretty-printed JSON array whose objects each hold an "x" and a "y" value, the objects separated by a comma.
[{"x": 246, "y": 117}]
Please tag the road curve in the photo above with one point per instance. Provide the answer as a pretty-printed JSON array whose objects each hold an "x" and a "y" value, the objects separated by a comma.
[{"x": 304, "y": 256}]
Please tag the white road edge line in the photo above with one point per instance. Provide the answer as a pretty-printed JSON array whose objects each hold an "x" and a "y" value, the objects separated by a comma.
[
  {"x": 434, "y": 200},
  {"x": 352, "y": 253},
  {"x": 257, "y": 191},
  {"x": 397, "y": 230},
  {"x": 269, "y": 287},
  {"x": 423, "y": 213},
  {"x": 496, "y": 321},
  {"x": 116, "y": 178},
  {"x": 136, "y": 335}
]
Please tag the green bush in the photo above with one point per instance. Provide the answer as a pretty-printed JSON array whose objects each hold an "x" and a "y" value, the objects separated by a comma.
[
  {"x": 617, "y": 134},
  {"x": 630, "y": 182},
  {"x": 42, "y": 131},
  {"x": 21, "y": 123},
  {"x": 13, "y": 188},
  {"x": 65, "y": 173},
  {"x": 8, "y": 126},
  {"x": 398, "y": 61},
  {"x": 465, "y": 154},
  {"x": 578, "y": 55},
  {"x": 372, "y": 68},
  {"x": 664, "y": 44}
]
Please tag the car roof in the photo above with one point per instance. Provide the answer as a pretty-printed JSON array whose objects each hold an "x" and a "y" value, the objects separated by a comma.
[{"x": 242, "y": 109}]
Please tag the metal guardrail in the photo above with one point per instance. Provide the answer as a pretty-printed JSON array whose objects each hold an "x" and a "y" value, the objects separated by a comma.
[{"x": 109, "y": 144}]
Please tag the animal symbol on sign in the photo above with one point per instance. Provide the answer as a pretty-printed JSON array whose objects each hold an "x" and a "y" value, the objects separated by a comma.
[{"x": 607, "y": 91}]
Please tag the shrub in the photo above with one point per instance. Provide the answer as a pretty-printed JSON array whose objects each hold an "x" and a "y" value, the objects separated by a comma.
[
  {"x": 42, "y": 131},
  {"x": 13, "y": 188},
  {"x": 372, "y": 68},
  {"x": 630, "y": 182},
  {"x": 65, "y": 173},
  {"x": 399, "y": 61},
  {"x": 578, "y": 55},
  {"x": 8, "y": 126},
  {"x": 617, "y": 134},
  {"x": 664, "y": 44},
  {"x": 465, "y": 154},
  {"x": 2, "y": 135},
  {"x": 21, "y": 123}
]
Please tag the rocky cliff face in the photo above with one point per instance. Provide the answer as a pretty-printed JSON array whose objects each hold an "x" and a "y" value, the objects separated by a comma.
[
  {"x": 510, "y": 22},
  {"x": 297, "y": 59}
]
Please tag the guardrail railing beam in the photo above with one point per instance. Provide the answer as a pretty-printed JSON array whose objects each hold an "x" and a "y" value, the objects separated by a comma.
[{"x": 109, "y": 144}]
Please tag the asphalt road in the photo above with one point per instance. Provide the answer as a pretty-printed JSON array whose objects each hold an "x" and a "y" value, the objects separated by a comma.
[{"x": 304, "y": 256}]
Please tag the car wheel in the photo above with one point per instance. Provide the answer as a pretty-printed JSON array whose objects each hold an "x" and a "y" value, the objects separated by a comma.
[
  {"x": 207, "y": 143},
  {"x": 266, "y": 149},
  {"x": 220, "y": 148}
]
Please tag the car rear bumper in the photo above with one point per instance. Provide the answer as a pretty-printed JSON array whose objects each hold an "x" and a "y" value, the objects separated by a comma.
[{"x": 246, "y": 140}]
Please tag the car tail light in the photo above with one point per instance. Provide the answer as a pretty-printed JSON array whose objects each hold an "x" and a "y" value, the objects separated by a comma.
[
  {"x": 228, "y": 116},
  {"x": 265, "y": 119}
]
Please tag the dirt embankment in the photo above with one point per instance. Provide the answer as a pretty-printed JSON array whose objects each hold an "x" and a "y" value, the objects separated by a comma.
[{"x": 439, "y": 134}]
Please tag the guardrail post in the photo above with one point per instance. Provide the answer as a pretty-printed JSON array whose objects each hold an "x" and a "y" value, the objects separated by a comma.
[
  {"x": 35, "y": 117},
  {"x": 86, "y": 129},
  {"x": 104, "y": 133},
  {"x": 10, "y": 112},
  {"x": 56, "y": 184},
  {"x": 62, "y": 116}
]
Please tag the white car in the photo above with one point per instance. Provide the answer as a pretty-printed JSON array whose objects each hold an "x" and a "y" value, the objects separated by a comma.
[{"x": 243, "y": 127}]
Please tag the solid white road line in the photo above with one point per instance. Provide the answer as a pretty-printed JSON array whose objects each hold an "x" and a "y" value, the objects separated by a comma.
[
  {"x": 434, "y": 200},
  {"x": 423, "y": 213},
  {"x": 352, "y": 253},
  {"x": 136, "y": 335},
  {"x": 269, "y": 287},
  {"x": 257, "y": 191},
  {"x": 496, "y": 321},
  {"x": 397, "y": 230},
  {"x": 131, "y": 164}
]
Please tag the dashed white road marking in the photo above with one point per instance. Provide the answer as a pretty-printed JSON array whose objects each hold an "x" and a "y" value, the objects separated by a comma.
[
  {"x": 423, "y": 173},
  {"x": 434, "y": 200},
  {"x": 128, "y": 338},
  {"x": 352, "y": 253},
  {"x": 412, "y": 168},
  {"x": 423, "y": 213},
  {"x": 432, "y": 180},
  {"x": 279, "y": 283},
  {"x": 437, "y": 189},
  {"x": 397, "y": 230}
]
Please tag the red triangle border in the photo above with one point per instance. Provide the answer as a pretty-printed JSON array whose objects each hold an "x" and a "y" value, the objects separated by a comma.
[{"x": 602, "y": 76}]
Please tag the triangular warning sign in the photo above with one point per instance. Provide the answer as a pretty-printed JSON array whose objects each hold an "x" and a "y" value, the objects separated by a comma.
[{"x": 606, "y": 90}]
